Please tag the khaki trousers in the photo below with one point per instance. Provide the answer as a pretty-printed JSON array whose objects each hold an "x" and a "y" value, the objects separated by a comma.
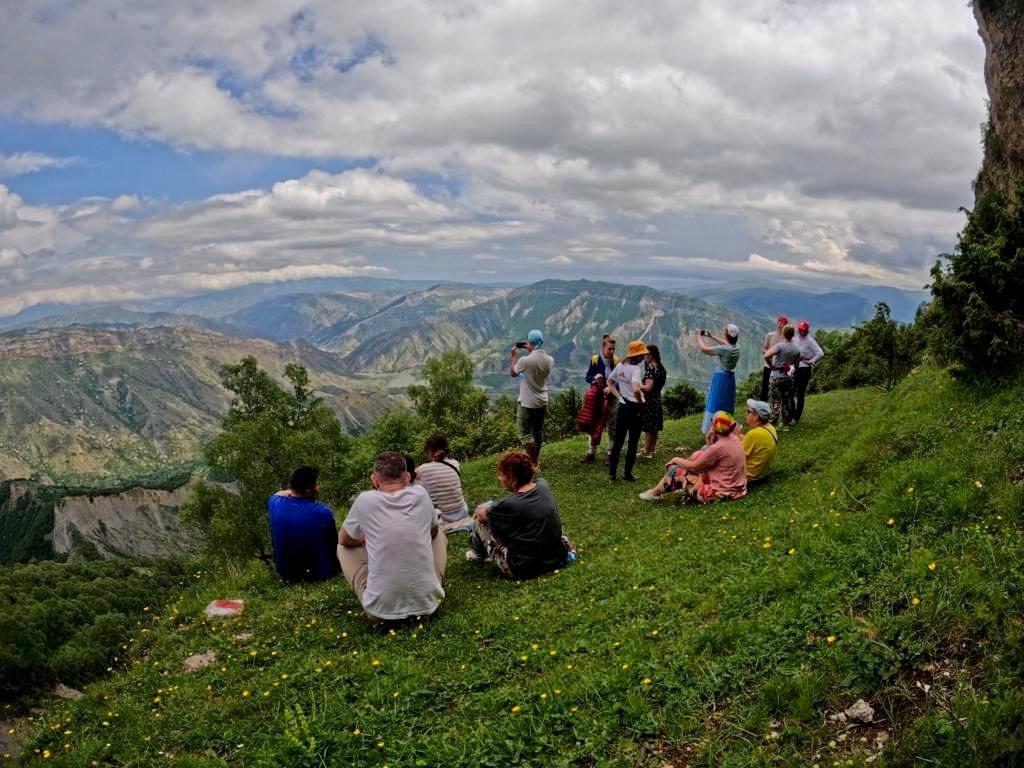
[{"x": 355, "y": 564}]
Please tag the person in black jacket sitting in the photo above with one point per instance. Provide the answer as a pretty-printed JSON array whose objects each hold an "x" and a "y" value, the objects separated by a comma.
[{"x": 521, "y": 533}]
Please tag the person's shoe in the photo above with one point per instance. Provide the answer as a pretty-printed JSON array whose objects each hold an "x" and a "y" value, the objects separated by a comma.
[
  {"x": 472, "y": 555},
  {"x": 629, "y": 478},
  {"x": 587, "y": 458},
  {"x": 650, "y": 496},
  {"x": 607, "y": 459},
  {"x": 612, "y": 479}
]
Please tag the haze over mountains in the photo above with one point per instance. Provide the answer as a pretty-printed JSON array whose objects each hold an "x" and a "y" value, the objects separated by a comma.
[{"x": 114, "y": 391}]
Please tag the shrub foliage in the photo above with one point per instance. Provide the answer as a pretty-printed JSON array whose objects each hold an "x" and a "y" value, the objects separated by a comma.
[
  {"x": 67, "y": 621},
  {"x": 976, "y": 318}
]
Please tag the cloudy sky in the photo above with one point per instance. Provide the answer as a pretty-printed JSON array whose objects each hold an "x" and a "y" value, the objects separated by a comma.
[{"x": 152, "y": 148}]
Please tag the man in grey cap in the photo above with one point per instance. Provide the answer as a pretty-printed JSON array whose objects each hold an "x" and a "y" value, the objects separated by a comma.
[
  {"x": 532, "y": 370},
  {"x": 761, "y": 442}
]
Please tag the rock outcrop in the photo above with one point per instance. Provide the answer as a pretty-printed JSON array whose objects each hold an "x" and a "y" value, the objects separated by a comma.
[
  {"x": 40, "y": 521},
  {"x": 139, "y": 522},
  {"x": 1001, "y": 26}
]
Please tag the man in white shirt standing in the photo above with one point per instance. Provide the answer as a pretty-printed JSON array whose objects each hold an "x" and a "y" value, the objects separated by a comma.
[
  {"x": 389, "y": 547},
  {"x": 810, "y": 353},
  {"x": 532, "y": 370}
]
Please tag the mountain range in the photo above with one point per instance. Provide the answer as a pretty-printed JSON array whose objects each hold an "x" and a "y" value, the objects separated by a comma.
[
  {"x": 113, "y": 401},
  {"x": 123, "y": 390},
  {"x": 825, "y": 309}
]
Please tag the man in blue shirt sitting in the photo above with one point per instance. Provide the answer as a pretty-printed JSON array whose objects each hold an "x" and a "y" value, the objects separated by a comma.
[{"x": 303, "y": 532}]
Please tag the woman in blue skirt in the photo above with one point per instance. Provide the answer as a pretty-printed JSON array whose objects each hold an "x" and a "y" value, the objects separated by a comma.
[{"x": 722, "y": 392}]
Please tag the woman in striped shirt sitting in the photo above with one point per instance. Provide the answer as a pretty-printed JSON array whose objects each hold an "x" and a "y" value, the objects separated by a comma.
[{"x": 442, "y": 477}]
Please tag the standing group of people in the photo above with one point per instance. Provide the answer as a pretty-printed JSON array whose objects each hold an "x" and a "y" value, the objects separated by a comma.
[
  {"x": 789, "y": 356},
  {"x": 624, "y": 398}
]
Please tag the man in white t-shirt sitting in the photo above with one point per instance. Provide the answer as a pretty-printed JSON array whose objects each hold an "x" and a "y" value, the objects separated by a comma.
[
  {"x": 533, "y": 371},
  {"x": 389, "y": 547}
]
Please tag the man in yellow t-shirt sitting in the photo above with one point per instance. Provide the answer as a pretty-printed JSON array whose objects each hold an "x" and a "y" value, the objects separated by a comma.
[{"x": 761, "y": 442}]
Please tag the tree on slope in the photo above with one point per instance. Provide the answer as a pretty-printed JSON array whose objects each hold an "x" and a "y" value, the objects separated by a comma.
[
  {"x": 976, "y": 318},
  {"x": 267, "y": 432}
]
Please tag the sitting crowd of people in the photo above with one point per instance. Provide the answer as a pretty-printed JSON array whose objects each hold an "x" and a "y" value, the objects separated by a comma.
[{"x": 392, "y": 547}]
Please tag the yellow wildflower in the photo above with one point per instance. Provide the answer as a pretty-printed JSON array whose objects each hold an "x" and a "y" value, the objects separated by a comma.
[
  {"x": 647, "y": 681},
  {"x": 831, "y": 639},
  {"x": 516, "y": 708},
  {"x": 932, "y": 566},
  {"x": 915, "y": 601}
]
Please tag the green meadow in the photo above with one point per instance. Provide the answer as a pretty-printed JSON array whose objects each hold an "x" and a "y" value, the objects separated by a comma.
[{"x": 883, "y": 561}]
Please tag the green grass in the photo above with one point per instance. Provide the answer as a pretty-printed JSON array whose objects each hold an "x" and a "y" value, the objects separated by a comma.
[{"x": 718, "y": 636}]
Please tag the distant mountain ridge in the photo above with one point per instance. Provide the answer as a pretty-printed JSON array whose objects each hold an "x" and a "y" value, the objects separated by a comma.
[
  {"x": 86, "y": 402},
  {"x": 832, "y": 309},
  {"x": 573, "y": 315},
  {"x": 406, "y": 311}
]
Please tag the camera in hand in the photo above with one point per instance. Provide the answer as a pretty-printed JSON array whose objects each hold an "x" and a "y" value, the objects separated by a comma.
[
  {"x": 521, "y": 345},
  {"x": 704, "y": 332}
]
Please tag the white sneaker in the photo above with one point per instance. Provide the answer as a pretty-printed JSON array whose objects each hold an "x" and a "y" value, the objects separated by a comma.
[
  {"x": 650, "y": 496},
  {"x": 471, "y": 555}
]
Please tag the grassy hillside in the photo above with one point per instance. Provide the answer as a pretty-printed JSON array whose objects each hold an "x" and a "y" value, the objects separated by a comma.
[{"x": 882, "y": 561}]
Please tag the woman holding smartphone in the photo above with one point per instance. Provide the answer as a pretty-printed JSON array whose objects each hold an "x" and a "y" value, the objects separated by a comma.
[{"x": 722, "y": 391}]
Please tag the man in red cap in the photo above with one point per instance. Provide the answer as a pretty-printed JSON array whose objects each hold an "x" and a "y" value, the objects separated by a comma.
[
  {"x": 810, "y": 353},
  {"x": 770, "y": 340}
]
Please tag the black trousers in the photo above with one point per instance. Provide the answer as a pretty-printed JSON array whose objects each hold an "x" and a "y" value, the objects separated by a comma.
[
  {"x": 801, "y": 380},
  {"x": 627, "y": 423},
  {"x": 766, "y": 374}
]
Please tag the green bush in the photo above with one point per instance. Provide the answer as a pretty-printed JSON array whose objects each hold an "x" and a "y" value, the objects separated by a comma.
[
  {"x": 975, "y": 321},
  {"x": 682, "y": 400},
  {"x": 560, "y": 420},
  {"x": 879, "y": 353}
]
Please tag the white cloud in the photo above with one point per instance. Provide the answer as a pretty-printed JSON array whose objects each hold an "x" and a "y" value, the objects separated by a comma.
[
  {"x": 838, "y": 137},
  {"x": 321, "y": 225},
  {"x": 21, "y": 163}
]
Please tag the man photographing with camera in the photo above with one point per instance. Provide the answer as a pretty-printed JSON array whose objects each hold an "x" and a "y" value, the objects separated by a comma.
[{"x": 532, "y": 370}]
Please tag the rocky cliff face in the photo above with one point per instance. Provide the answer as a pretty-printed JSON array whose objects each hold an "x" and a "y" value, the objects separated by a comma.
[
  {"x": 139, "y": 522},
  {"x": 40, "y": 521},
  {"x": 1001, "y": 26}
]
